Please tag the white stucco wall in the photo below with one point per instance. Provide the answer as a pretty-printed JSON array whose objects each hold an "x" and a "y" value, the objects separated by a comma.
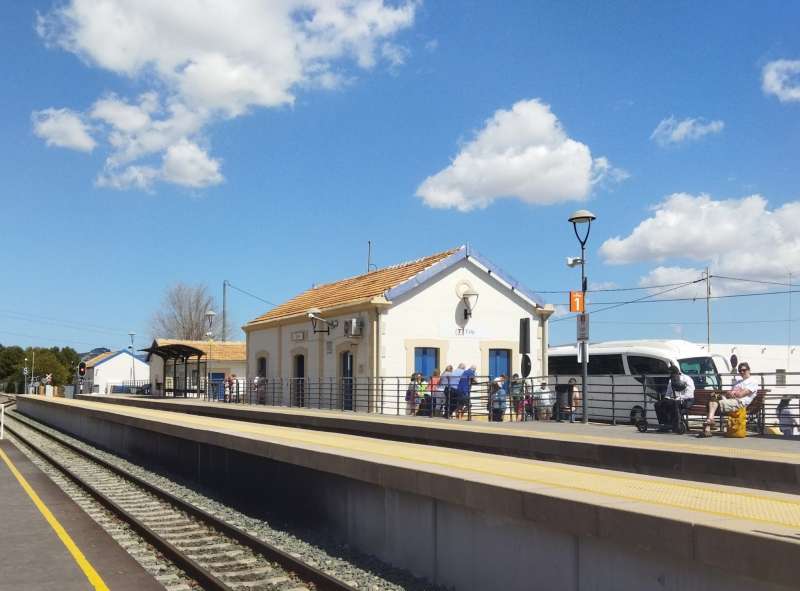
[
  {"x": 116, "y": 370},
  {"x": 432, "y": 316}
]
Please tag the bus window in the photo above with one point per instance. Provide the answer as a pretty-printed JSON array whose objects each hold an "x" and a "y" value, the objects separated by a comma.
[
  {"x": 563, "y": 365},
  {"x": 603, "y": 365},
  {"x": 702, "y": 370},
  {"x": 640, "y": 365}
]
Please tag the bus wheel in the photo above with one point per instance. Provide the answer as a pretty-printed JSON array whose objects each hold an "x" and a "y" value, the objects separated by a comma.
[{"x": 637, "y": 415}]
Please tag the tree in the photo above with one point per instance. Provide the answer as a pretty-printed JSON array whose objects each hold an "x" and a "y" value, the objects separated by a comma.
[
  {"x": 69, "y": 358},
  {"x": 11, "y": 361},
  {"x": 48, "y": 362},
  {"x": 183, "y": 314}
]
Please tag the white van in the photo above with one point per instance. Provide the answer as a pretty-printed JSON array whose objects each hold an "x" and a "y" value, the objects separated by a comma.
[{"x": 624, "y": 376}]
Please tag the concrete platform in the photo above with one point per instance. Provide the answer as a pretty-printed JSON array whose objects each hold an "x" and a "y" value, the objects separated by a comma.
[
  {"x": 468, "y": 519},
  {"x": 769, "y": 464},
  {"x": 32, "y": 556}
]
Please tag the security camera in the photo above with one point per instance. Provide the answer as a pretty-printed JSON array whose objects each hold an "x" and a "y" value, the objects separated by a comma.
[{"x": 574, "y": 262}]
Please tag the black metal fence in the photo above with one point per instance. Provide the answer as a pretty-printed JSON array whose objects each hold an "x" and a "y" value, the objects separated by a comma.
[{"x": 615, "y": 399}]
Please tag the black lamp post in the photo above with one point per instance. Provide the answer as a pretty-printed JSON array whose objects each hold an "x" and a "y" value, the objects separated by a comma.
[{"x": 583, "y": 216}]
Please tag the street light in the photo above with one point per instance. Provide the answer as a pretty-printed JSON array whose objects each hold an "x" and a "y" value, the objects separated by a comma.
[
  {"x": 133, "y": 365},
  {"x": 25, "y": 377},
  {"x": 209, "y": 334},
  {"x": 583, "y": 216}
]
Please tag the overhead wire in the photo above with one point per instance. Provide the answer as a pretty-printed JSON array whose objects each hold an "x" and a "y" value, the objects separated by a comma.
[{"x": 252, "y": 295}]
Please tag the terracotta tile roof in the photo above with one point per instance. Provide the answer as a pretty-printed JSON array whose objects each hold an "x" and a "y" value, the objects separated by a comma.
[
  {"x": 354, "y": 290},
  {"x": 98, "y": 358},
  {"x": 220, "y": 350}
]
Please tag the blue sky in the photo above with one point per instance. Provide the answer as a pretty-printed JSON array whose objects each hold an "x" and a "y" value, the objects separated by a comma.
[{"x": 143, "y": 146}]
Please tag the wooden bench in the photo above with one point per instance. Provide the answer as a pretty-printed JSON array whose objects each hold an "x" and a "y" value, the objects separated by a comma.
[{"x": 755, "y": 410}]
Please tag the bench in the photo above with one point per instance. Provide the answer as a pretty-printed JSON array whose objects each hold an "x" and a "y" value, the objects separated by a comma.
[{"x": 755, "y": 410}]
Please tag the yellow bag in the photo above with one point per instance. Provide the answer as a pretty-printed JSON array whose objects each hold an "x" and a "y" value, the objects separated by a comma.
[{"x": 736, "y": 423}]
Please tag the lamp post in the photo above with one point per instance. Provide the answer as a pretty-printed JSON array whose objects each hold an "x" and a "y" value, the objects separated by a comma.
[
  {"x": 209, "y": 334},
  {"x": 133, "y": 364},
  {"x": 25, "y": 377},
  {"x": 583, "y": 216}
]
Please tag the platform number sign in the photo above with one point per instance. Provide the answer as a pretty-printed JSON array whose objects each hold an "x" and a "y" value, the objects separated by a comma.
[{"x": 576, "y": 302}]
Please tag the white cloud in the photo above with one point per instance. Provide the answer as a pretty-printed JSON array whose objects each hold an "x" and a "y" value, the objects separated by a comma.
[
  {"x": 782, "y": 78},
  {"x": 735, "y": 237},
  {"x": 522, "y": 153},
  {"x": 63, "y": 128},
  {"x": 186, "y": 164},
  {"x": 205, "y": 60},
  {"x": 671, "y": 131}
]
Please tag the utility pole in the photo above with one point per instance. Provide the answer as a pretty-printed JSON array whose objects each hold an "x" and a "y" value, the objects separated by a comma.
[
  {"x": 708, "y": 310},
  {"x": 789, "y": 329},
  {"x": 369, "y": 254},
  {"x": 225, "y": 284}
]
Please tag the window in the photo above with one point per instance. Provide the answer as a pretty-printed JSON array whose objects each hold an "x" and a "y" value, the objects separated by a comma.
[
  {"x": 426, "y": 359},
  {"x": 564, "y": 365},
  {"x": 261, "y": 365},
  {"x": 702, "y": 370},
  {"x": 641, "y": 365},
  {"x": 603, "y": 365},
  {"x": 499, "y": 362}
]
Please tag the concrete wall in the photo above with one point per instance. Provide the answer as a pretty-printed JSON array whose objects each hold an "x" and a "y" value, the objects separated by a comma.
[{"x": 448, "y": 542}]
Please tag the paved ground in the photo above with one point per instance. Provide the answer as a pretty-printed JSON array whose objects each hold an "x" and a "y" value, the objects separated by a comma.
[
  {"x": 33, "y": 556},
  {"x": 625, "y": 435}
]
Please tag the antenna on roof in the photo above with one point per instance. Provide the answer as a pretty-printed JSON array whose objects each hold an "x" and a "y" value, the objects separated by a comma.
[{"x": 370, "y": 266}]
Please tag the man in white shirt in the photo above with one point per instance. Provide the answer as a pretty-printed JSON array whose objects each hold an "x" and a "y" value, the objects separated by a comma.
[
  {"x": 679, "y": 395},
  {"x": 744, "y": 390}
]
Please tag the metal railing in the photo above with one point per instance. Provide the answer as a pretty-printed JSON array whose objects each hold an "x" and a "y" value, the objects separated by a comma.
[{"x": 611, "y": 398}]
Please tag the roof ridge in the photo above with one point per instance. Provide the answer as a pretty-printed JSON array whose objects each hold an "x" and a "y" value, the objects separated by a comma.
[{"x": 449, "y": 251}]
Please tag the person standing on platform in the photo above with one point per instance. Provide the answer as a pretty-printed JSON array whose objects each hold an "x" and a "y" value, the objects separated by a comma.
[
  {"x": 465, "y": 388},
  {"x": 517, "y": 391},
  {"x": 498, "y": 400},
  {"x": 679, "y": 396},
  {"x": 436, "y": 389},
  {"x": 574, "y": 399},
  {"x": 448, "y": 382},
  {"x": 542, "y": 403},
  {"x": 411, "y": 395}
]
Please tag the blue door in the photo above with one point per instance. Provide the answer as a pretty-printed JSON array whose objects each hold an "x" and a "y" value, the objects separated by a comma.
[
  {"x": 217, "y": 382},
  {"x": 426, "y": 359},
  {"x": 499, "y": 362}
]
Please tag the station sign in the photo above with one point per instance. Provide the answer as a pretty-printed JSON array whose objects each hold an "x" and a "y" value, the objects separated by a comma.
[
  {"x": 576, "y": 302},
  {"x": 583, "y": 327}
]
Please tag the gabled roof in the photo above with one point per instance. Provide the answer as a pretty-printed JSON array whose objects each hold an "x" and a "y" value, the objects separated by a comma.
[
  {"x": 388, "y": 283},
  {"x": 107, "y": 356},
  {"x": 220, "y": 350},
  {"x": 352, "y": 291}
]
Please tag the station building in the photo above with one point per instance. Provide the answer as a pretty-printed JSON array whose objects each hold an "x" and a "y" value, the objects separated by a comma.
[{"x": 450, "y": 307}]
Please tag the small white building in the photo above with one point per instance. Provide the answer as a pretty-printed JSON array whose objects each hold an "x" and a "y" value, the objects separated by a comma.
[
  {"x": 113, "y": 368},
  {"x": 451, "y": 307}
]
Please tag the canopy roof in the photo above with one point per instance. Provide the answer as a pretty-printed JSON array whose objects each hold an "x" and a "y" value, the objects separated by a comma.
[{"x": 172, "y": 351}]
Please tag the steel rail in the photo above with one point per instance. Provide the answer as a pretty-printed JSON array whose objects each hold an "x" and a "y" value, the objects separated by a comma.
[{"x": 308, "y": 573}]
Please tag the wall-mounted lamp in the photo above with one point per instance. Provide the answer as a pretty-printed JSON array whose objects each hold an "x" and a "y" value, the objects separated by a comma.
[
  {"x": 470, "y": 299},
  {"x": 320, "y": 324}
]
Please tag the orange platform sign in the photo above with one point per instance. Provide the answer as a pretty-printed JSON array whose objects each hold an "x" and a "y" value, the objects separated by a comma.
[{"x": 576, "y": 303}]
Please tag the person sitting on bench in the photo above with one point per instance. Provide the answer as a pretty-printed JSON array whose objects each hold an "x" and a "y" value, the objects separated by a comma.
[
  {"x": 744, "y": 390},
  {"x": 679, "y": 395}
]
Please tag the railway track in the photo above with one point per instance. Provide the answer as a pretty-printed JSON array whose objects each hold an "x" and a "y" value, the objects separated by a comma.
[{"x": 214, "y": 553}]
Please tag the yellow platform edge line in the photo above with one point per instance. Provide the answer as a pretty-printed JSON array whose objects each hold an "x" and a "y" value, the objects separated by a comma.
[{"x": 94, "y": 578}]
